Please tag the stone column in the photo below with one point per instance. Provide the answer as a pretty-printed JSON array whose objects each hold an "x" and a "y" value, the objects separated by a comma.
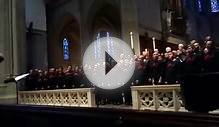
[
  {"x": 12, "y": 45},
  {"x": 85, "y": 15},
  {"x": 12, "y": 37},
  {"x": 19, "y": 36},
  {"x": 6, "y": 67},
  {"x": 129, "y": 21}
]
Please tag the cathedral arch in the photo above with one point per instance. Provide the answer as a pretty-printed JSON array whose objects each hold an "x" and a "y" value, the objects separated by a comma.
[
  {"x": 104, "y": 16},
  {"x": 67, "y": 29}
]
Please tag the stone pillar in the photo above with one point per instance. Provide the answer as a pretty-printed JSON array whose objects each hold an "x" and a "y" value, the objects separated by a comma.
[
  {"x": 6, "y": 67},
  {"x": 129, "y": 21},
  {"x": 19, "y": 36},
  {"x": 12, "y": 37},
  {"x": 12, "y": 45},
  {"x": 85, "y": 15}
]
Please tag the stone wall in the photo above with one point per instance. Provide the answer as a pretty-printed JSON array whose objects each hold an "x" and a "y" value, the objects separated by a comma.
[
  {"x": 36, "y": 35},
  {"x": 84, "y": 13},
  {"x": 201, "y": 23},
  {"x": 149, "y": 17}
]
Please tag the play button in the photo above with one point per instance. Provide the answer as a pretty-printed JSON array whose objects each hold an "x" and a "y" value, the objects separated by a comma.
[{"x": 108, "y": 63}]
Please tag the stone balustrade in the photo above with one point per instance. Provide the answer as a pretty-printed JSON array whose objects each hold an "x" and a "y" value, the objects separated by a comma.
[
  {"x": 153, "y": 97},
  {"x": 157, "y": 97},
  {"x": 84, "y": 97}
]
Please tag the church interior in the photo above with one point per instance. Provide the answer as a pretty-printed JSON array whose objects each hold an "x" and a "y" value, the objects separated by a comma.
[{"x": 176, "y": 51}]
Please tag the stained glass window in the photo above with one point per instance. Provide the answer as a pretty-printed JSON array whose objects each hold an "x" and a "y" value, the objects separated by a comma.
[
  {"x": 66, "y": 52},
  {"x": 214, "y": 6}
]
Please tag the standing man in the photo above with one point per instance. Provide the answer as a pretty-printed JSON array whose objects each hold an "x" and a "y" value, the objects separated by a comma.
[
  {"x": 171, "y": 69},
  {"x": 155, "y": 66}
]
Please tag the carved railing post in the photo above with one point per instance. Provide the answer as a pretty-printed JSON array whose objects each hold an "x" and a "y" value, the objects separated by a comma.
[
  {"x": 175, "y": 101},
  {"x": 91, "y": 98},
  {"x": 135, "y": 99},
  {"x": 157, "y": 97}
]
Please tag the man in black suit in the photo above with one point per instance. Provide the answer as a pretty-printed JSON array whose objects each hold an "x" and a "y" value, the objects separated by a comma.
[
  {"x": 156, "y": 68},
  {"x": 171, "y": 69}
]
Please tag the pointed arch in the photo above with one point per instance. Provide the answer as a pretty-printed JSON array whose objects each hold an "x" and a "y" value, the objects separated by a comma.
[
  {"x": 66, "y": 27},
  {"x": 104, "y": 16}
]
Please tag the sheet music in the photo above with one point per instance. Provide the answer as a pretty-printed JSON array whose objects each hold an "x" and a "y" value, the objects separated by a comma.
[{"x": 21, "y": 76}]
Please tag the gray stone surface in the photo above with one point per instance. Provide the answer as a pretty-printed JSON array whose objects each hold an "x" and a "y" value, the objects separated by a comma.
[
  {"x": 12, "y": 45},
  {"x": 8, "y": 93},
  {"x": 12, "y": 37},
  {"x": 37, "y": 50},
  {"x": 6, "y": 67},
  {"x": 129, "y": 23}
]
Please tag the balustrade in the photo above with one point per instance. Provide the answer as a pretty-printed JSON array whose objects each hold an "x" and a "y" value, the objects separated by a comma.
[
  {"x": 157, "y": 97},
  {"x": 153, "y": 97},
  {"x": 84, "y": 97}
]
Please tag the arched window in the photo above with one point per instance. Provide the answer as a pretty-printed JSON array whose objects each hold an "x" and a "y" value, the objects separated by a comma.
[
  {"x": 214, "y": 6},
  {"x": 66, "y": 52}
]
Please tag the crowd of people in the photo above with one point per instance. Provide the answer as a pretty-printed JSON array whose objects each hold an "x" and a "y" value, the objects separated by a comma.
[
  {"x": 56, "y": 78},
  {"x": 158, "y": 68},
  {"x": 168, "y": 67}
]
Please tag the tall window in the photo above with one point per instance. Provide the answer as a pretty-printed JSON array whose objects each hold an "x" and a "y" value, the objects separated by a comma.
[
  {"x": 214, "y": 6},
  {"x": 97, "y": 46},
  {"x": 109, "y": 43},
  {"x": 199, "y": 4},
  {"x": 66, "y": 52}
]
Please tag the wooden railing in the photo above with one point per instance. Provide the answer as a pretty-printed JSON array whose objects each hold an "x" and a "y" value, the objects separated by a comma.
[
  {"x": 157, "y": 97},
  {"x": 84, "y": 97}
]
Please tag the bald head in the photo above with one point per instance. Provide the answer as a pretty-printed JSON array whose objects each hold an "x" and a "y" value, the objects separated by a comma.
[
  {"x": 193, "y": 42},
  {"x": 180, "y": 47},
  {"x": 168, "y": 49},
  {"x": 208, "y": 38}
]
